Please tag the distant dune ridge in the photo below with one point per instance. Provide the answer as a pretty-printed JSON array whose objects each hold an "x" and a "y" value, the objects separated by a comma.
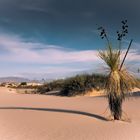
[{"x": 13, "y": 79}]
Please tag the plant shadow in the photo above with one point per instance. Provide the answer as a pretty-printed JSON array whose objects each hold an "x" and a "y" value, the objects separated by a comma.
[
  {"x": 56, "y": 110},
  {"x": 136, "y": 94}
]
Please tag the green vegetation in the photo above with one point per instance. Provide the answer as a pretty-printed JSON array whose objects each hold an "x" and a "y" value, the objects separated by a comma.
[
  {"x": 23, "y": 84},
  {"x": 43, "y": 89},
  {"x": 76, "y": 85},
  {"x": 81, "y": 84},
  {"x": 51, "y": 86}
]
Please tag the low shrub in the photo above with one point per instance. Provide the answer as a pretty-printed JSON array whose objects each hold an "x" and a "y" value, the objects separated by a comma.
[
  {"x": 23, "y": 84},
  {"x": 56, "y": 84},
  {"x": 43, "y": 89},
  {"x": 76, "y": 85},
  {"x": 80, "y": 84}
]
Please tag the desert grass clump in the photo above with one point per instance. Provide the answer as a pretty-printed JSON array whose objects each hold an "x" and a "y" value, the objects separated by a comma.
[{"x": 119, "y": 80}]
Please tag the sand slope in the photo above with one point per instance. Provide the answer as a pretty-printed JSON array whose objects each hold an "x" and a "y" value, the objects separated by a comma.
[{"x": 39, "y": 117}]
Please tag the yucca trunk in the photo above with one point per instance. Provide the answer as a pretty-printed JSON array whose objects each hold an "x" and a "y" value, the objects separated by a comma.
[
  {"x": 118, "y": 83},
  {"x": 115, "y": 95},
  {"x": 115, "y": 105}
]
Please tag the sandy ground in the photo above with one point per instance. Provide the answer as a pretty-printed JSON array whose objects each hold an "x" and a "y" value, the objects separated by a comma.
[{"x": 40, "y": 117}]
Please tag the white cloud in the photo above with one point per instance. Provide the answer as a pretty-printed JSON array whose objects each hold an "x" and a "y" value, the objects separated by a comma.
[
  {"x": 133, "y": 55},
  {"x": 42, "y": 56},
  {"x": 21, "y": 51}
]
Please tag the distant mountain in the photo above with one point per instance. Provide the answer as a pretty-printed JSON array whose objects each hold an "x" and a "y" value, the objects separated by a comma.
[{"x": 13, "y": 79}]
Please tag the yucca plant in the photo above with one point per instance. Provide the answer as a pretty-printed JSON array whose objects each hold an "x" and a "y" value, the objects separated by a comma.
[{"x": 119, "y": 80}]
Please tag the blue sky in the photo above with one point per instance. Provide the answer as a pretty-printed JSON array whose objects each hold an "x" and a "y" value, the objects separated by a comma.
[{"x": 52, "y": 39}]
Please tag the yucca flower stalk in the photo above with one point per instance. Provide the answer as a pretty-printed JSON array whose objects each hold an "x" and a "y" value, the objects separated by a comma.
[{"x": 119, "y": 81}]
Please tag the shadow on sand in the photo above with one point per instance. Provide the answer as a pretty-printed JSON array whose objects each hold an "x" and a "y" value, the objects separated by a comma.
[
  {"x": 134, "y": 94},
  {"x": 56, "y": 110}
]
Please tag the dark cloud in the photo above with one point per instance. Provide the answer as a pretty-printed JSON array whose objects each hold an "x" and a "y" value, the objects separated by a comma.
[
  {"x": 103, "y": 9},
  {"x": 68, "y": 18}
]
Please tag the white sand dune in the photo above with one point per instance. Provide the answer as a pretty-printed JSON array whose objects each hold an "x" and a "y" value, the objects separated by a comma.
[{"x": 38, "y": 117}]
